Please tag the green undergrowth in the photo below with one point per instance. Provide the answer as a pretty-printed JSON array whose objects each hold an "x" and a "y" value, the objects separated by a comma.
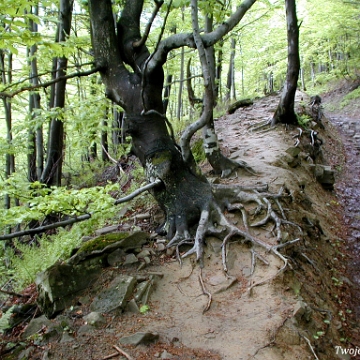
[
  {"x": 22, "y": 259},
  {"x": 350, "y": 97}
]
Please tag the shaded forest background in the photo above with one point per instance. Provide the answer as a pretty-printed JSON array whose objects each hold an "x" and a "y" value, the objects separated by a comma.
[{"x": 53, "y": 98}]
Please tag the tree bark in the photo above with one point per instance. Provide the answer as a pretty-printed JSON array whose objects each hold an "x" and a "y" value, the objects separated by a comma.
[
  {"x": 183, "y": 192},
  {"x": 53, "y": 167},
  {"x": 285, "y": 112},
  {"x": 36, "y": 155}
]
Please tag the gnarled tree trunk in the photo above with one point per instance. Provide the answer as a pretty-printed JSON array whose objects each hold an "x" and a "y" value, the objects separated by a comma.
[{"x": 184, "y": 194}]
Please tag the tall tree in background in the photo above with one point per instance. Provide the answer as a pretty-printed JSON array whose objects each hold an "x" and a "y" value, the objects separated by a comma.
[
  {"x": 53, "y": 167},
  {"x": 285, "y": 112}
]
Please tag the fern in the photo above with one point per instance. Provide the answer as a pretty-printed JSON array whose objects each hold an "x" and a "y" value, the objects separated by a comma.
[{"x": 5, "y": 320}]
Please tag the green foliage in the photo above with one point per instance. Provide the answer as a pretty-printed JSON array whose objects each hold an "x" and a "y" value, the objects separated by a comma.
[
  {"x": 351, "y": 96},
  {"x": 5, "y": 320},
  {"x": 303, "y": 120},
  {"x": 198, "y": 150},
  {"x": 144, "y": 309}
]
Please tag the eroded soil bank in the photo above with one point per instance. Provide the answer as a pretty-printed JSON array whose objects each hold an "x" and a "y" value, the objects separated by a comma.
[{"x": 301, "y": 313}]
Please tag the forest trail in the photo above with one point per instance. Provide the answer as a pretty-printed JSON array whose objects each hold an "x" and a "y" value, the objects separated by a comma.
[
  {"x": 287, "y": 317},
  {"x": 348, "y": 192}
]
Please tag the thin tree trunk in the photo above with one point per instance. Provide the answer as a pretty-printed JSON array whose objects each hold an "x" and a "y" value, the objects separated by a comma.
[
  {"x": 285, "y": 112},
  {"x": 53, "y": 168},
  {"x": 230, "y": 76},
  {"x": 6, "y": 68},
  {"x": 36, "y": 155},
  {"x": 181, "y": 85},
  {"x": 167, "y": 92}
]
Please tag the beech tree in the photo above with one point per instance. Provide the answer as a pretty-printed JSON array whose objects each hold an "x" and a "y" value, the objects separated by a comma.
[
  {"x": 134, "y": 78},
  {"x": 285, "y": 112}
]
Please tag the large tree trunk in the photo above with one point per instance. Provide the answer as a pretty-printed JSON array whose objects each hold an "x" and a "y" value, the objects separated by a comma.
[
  {"x": 285, "y": 112},
  {"x": 183, "y": 193},
  {"x": 140, "y": 94}
]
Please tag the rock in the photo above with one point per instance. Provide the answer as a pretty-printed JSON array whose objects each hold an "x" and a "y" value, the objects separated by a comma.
[
  {"x": 324, "y": 175},
  {"x": 166, "y": 355},
  {"x": 302, "y": 311},
  {"x": 160, "y": 247},
  {"x": 133, "y": 307},
  {"x": 116, "y": 258},
  {"x": 106, "y": 230},
  {"x": 35, "y": 326},
  {"x": 214, "y": 244},
  {"x": 139, "y": 338},
  {"x": 143, "y": 254},
  {"x": 288, "y": 334},
  {"x": 130, "y": 259},
  {"x": 95, "y": 319},
  {"x": 114, "y": 297},
  {"x": 60, "y": 283},
  {"x": 141, "y": 289},
  {"x": 111, "y": 242},
  {"x": 66, "y": 337},
  {"x": 293, "y": 151}
]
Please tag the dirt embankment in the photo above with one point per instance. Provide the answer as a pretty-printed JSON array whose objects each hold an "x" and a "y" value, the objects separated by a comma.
[{"x": 256, "y": 312}]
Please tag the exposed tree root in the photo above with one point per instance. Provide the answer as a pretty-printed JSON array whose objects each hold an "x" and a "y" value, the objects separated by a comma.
[
  {"x": 213, "y": 222},
  {"x": 205, "y": 292}
]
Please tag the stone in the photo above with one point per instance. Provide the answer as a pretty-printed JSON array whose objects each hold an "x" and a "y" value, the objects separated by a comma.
[
  {"x": 143, "y": 254},
  {"x": 60, "y": 283},
  {"x": 130, "y": 259},
  {"x": 133, "y": 307},
  {"x": 302, "y": 311},
  {"x": 35, "y": 326},
  {"x": 141, "y": 289},
  {"x": 324, "y": 175},
  {"x": 66, "y": 337},
  {"x": 288, "y": 334},
  {"x": 139, "y": 338},
  {"x": 106, "y": 230},
  {"x": 166, "y": 355},
  {"x": 293, "y": 151},
  {"x": 160, "y": 247},
  {"x": 95, "y": 319},
  {"x": 116, "y": 258},
  {"x": 115, "y": 296}
]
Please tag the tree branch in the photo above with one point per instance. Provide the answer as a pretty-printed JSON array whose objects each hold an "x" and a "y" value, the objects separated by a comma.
[
  {"x": 76, "y": 219},
  {"x": 186, "y": 39},
  {"x": 148, "y": 26},
  {"x": 49, "y": 83}
]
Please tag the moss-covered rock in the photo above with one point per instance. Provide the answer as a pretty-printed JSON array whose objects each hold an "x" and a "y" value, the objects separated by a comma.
[{"x": 102, "y": 241}]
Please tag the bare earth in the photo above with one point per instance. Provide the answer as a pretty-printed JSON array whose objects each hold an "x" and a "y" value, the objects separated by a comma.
[{"x": 282, "y": 318}]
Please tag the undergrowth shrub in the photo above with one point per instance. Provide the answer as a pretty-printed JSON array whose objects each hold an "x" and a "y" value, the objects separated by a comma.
[{"x": 21, "y": 261}]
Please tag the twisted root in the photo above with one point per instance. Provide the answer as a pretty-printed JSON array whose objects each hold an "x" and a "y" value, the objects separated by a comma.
[{"x": 214, "y": 222}]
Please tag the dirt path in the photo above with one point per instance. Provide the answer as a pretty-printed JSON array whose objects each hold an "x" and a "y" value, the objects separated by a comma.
[{"x": 348, "y": 191}]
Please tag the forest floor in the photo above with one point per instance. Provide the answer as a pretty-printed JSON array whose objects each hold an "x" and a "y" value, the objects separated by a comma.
[{"x": 306, "y": 312}]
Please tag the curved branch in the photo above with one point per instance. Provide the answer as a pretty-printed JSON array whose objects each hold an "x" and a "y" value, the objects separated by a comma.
[
  {"x": 209, "y": 39},
  {"x": 49, "y": 83},
  {"x": 208, "y": 102},
  {"x": 142, "y": 41}
]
